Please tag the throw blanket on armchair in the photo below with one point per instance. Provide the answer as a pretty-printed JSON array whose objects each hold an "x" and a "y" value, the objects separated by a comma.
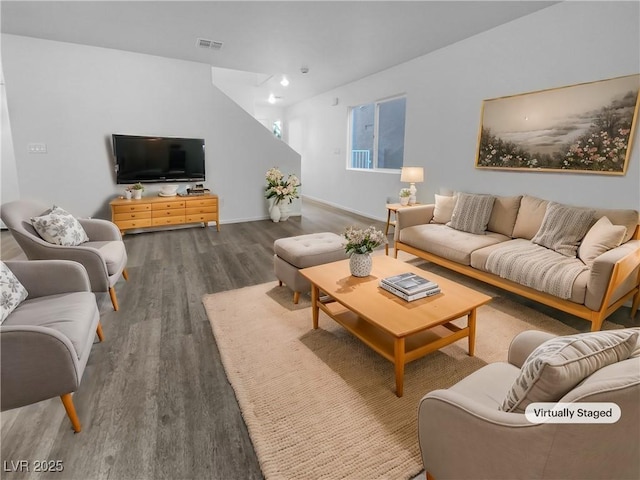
[{"x": 536, "y": 267}]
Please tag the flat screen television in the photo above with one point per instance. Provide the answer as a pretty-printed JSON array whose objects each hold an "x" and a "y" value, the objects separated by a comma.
[{"x": 158, "y": 159}]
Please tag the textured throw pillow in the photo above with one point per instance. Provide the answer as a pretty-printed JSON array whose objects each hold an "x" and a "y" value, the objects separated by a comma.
[
  {"x": 443, "y": 209},
  {"x": 471, "y": 213},
  {"x": 12, "y": 292},
  {"x": 59, "y": 227},
  {"x": 600, "y": 238},
  {"x": 559, "y": 364},
  {"x": 563, "y": 227}
]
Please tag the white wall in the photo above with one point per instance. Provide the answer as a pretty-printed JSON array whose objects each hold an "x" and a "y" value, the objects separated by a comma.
[
  {"x": 9, "y": 187},
  {"x": 73, "y": 97},
  {"x": 568, "y": 43}
]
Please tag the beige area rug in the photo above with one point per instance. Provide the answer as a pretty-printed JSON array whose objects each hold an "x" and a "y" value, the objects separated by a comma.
[{"x": 319, "y": 404}]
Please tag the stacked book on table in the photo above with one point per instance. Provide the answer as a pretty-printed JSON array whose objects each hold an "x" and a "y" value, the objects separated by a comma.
[{"x": 409, "y": 286}]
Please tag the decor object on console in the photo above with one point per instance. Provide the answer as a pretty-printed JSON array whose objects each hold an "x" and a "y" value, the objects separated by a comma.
[
  {"x": 506, "y": 256},
  {"x": 283, "y": 190},
  {"x": 588, "y": 128},
  {"x": 360, "y": 245},
  {"x": 405, "y": 194},
  {"x": 462, "y": 417},
  {"x": 168, "y": 190},
  {"x": 104, "y": 256},
  {"x": 137, "y": 190},
  {"x": 45, "y": 342},
  {"x": 412, "y": 175}
]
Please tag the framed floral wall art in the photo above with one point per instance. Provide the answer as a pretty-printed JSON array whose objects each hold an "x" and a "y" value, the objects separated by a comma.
[{"x": 586, "y": 128}]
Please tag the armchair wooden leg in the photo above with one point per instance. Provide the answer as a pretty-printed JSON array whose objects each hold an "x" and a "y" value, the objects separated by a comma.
[
  {"x": 125, "y": 274},
  {"x": 114, "y": 300},
  {"x": 67, "y": 401},
  {"x": 99, "y": 332}
]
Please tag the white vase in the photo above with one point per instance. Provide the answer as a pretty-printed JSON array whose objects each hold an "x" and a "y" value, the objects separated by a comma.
[
  {"x": 360, "y": 264},
  {"x": 285, "y": 211},
  {"x": 274, "y": 212},
  {"x": 404, "y": 200},
  {"x": 127, "y": 194},
  {"x": 137, "y": 194}
]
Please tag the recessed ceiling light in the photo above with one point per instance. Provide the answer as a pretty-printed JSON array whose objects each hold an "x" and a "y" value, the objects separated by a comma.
[
  {"x": 284, "y": 82},
  {"x": 272, "y": 98}
]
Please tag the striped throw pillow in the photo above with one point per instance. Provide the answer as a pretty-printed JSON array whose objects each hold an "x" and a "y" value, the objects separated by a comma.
[
  {"x": 554, "y": 368},
  {"x": 471, "y": 213},
  {"x": 563, "y": 227}
]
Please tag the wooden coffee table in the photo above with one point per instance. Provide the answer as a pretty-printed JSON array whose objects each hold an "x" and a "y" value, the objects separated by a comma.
[{"x": 400, "y": 331}]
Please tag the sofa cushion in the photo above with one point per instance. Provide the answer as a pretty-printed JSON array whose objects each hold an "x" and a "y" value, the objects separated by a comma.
[
  {"x": 563, "y": 227},
  {"x": 504, "y": 214},
  {"x": 113, "y": 252},
  {"x": 448, "y": 242},
  {"x": 443, "y": 208},
  {"x": 471, "y": 213},
  {"x": 488, "y": 385},
  {"x": 59, "y": 227},
  {"x": 530, "y": 215},
  {"x": 626, "y": 217},
  {"x": 68, "y": 313},
  {"x": 559, "y": 364},
  {"x": 12, "y": 292},
  {"x": 601, "y": 237}
]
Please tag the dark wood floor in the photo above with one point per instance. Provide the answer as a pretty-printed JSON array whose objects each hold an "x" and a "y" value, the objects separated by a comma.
[{"x": 154, "y": 401}]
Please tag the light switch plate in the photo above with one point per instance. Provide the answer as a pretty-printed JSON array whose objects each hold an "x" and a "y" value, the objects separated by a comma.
[{"x": 37, "y": 148}]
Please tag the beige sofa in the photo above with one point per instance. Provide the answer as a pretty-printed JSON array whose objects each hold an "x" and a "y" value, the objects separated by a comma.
[{"x": 590, "y": 273}]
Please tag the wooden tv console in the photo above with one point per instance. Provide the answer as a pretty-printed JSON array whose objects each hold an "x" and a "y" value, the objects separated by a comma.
[{"x": 150, "y": 212}]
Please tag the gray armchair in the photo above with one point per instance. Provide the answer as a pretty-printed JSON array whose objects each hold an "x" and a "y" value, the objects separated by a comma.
[
  {"x": 46, "y": 341},
  {"x": 104, "y": 256},
  {"x": 463, "y": 434}
]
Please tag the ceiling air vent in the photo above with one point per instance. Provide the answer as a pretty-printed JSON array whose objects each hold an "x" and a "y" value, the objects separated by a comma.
[{"x": 206, "y": 43}]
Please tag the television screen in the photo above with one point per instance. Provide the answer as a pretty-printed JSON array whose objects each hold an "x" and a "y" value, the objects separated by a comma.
[{"x": 158, "y": 159}]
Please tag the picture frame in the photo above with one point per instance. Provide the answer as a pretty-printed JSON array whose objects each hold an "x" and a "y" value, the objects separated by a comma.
[{"x": 583, "y": 128}]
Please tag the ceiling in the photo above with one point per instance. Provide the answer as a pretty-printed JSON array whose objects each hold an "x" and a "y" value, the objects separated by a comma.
[{"x": 338, "y": 41}]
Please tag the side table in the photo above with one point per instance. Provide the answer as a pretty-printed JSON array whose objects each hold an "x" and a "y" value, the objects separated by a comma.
[{"x": 392, "y": 208}]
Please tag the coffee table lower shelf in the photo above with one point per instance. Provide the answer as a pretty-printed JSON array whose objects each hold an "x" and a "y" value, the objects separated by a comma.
[{"x": 398, "y": 350}]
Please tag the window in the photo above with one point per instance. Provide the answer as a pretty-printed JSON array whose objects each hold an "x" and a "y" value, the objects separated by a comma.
[
  {"x": 377, "y": 135},
  {"x": 277, "y": 128}
]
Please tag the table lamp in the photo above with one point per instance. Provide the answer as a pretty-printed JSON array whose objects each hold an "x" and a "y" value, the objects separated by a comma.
[{"x": 412, "y": 175}]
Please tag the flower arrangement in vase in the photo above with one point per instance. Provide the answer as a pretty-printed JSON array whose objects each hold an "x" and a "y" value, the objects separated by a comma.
[
  {"x": 405, "y": 193},
  {"x": 280, "y": 191},
  {"x": 360, "y": 244}
]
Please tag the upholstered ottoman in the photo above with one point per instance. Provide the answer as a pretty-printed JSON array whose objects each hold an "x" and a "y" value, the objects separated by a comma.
[{"x": 293, "y": 253}]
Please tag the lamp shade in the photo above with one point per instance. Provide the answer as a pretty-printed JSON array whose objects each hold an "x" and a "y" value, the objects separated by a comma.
[{"x": 412, "y": 174}]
